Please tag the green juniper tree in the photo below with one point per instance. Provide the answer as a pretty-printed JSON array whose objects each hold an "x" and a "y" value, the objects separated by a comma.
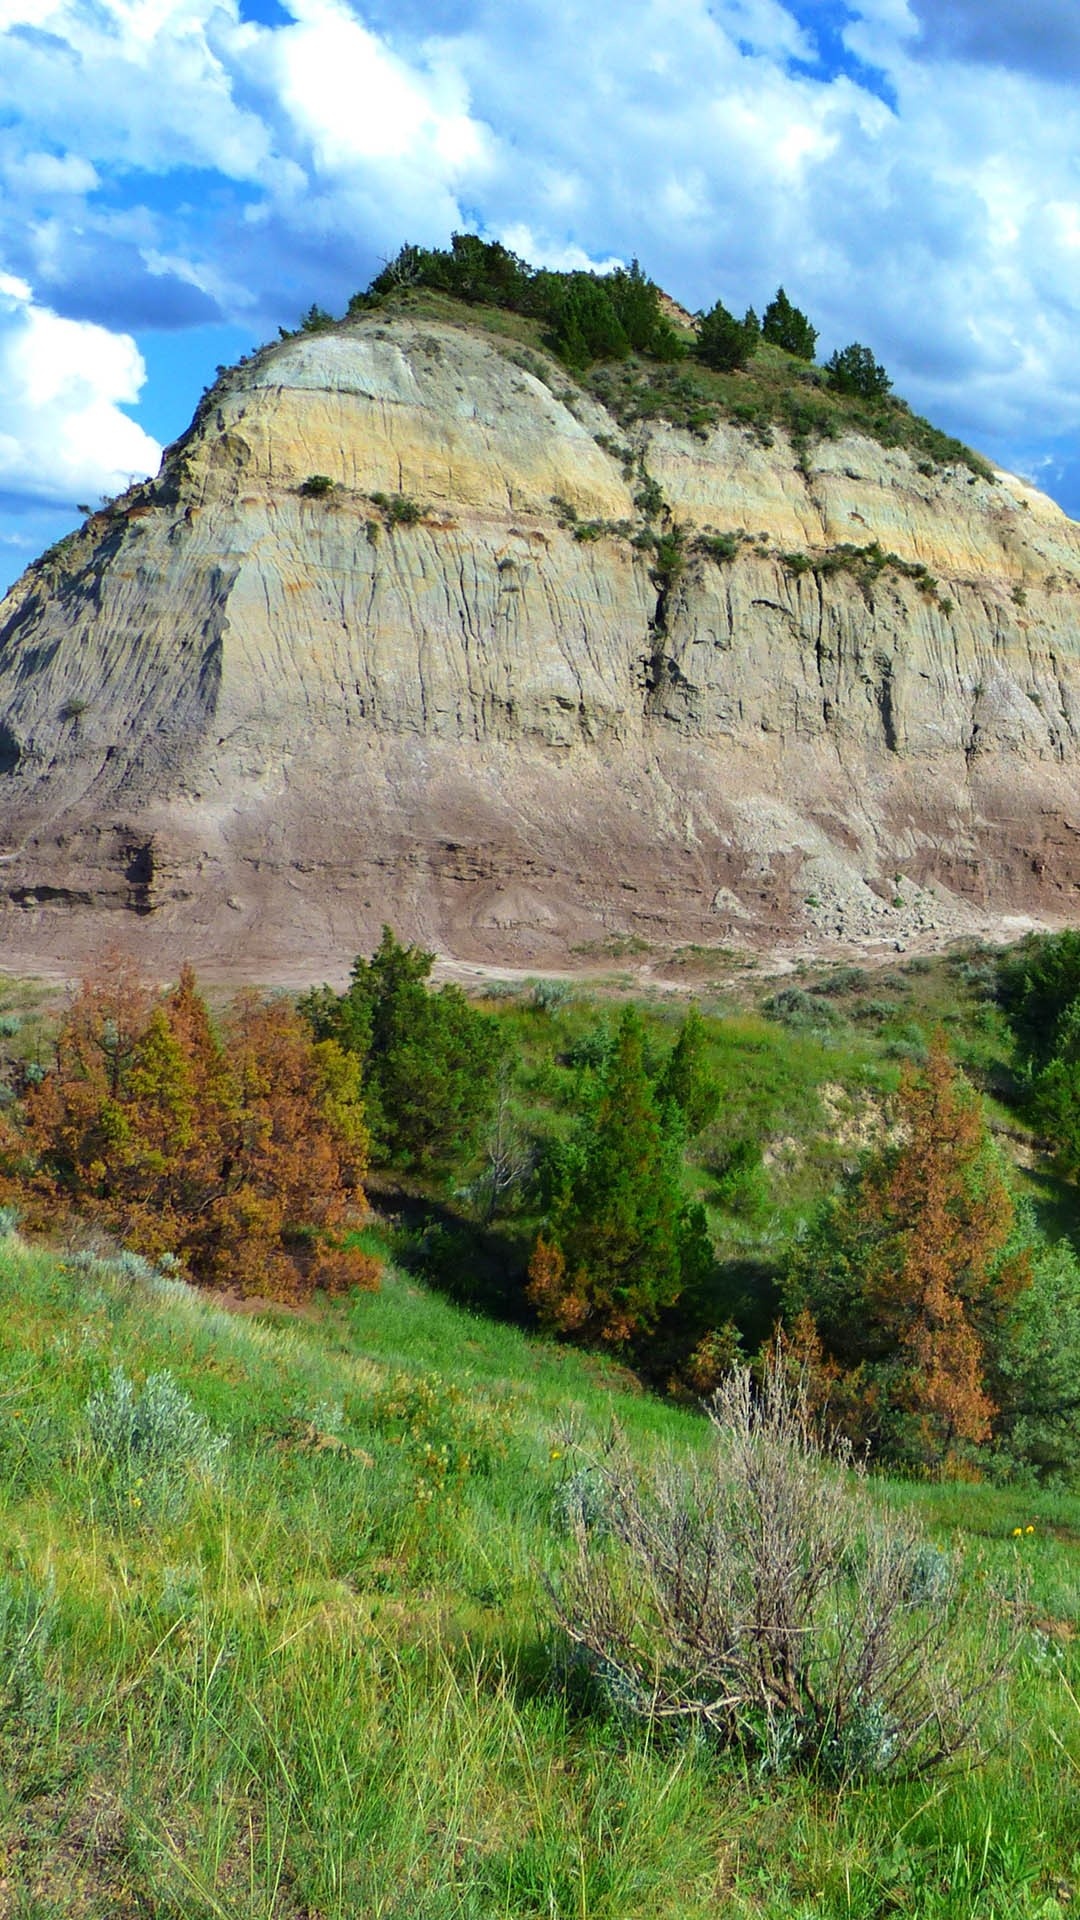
[
  {"x": 724, "y": 343},
  {"x": 686, "y": 1083},
  {"x": 585, "y": 325},
  {"x": 622, "y": 1243},
  {"x": 785, "y": 325},
  {"x": 430, "y": 1060},
  {"x": 854, "y": 370},
  {"x": 636, "y": 303},
  {"x": 1039, "y": 988}
]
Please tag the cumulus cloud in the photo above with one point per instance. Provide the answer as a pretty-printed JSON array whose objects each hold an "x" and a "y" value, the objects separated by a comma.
[
  {"x": 357, "y": 105},
  {"x": 63, "y": 383}
]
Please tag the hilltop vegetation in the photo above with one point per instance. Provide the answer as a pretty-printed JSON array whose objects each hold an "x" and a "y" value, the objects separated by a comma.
[{"x": 615, "y": 332}]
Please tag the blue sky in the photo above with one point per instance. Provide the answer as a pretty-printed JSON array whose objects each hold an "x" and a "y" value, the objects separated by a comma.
[{"x": 178, "y": 177}]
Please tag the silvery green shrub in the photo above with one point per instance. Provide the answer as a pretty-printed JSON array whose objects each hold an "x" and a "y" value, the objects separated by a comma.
[
  {"x": 549, "y": 995},
  {"x": 150, "y": 1445},
  {"x": 27, "y": 1619},
  {"x": 756, "y": 1592},
  {"x": 580, "y": 1502}
]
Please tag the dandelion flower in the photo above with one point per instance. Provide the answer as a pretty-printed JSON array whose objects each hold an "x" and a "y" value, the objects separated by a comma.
[
  {"x": 1017, "y": 1532},
  {"x": 1029, "y": 1529}
]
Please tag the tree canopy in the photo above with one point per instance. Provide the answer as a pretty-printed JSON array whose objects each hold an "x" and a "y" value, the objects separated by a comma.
[
  {"x": 854, "y": 370},
  {"x": 785, "y": 325},
  {"x": 724, "y": 343},
  {"x": 622, "y": 1242},
  {"x": 899, "y": 1289},
  {"x": 1039, "y": 988},
  {"x": 588, "y": 316},
  {"x": 242, "y": 1151},
  {"x": 430, "y": 1061}
]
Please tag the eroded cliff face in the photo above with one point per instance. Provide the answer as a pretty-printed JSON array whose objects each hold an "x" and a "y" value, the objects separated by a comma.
[{"x": 266, "y": 720}]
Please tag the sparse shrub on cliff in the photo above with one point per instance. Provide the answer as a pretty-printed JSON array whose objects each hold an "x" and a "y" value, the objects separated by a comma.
[
  {"x": 586, "y": 531},
  {"x": 864, "y": 565},
  {"x": 720, "y": 547},
  {"x": 669, "y": 557},
  {"x": 649, "y": 497},
  {"x": 398, "y": 509},
  {"x": 808, "y": 420},
  {"x": 316, "y": 486}
]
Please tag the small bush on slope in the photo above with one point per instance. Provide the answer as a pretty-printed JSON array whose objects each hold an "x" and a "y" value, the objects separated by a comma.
[
  {"x": 150, "y": 1445},
  {"x": 757, "y": 1595}
]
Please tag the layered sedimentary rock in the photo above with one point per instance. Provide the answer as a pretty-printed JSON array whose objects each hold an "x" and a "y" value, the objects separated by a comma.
[{"x": 266, "y": 719}]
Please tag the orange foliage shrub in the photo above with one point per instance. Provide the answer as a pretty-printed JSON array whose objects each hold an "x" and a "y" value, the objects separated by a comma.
[
  {"x": 897, "y": 1298},
  {"x": 241, "y": 1152},
  {"x": 939, "y": 1281},
  {"x": 561, "y": 1306}
]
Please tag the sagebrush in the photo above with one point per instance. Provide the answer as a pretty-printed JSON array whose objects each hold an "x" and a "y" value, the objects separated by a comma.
[{"x": 759, "y": 1594}]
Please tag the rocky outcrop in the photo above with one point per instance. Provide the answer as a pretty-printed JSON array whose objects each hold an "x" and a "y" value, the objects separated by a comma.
[{"x": 264, "y": 718}]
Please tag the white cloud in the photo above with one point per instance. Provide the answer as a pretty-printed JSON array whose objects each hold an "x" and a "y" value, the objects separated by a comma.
[
  {"x": 347, "y": 94},
  {"x": 560, "y": 258},
  {"x": 143, "y": 83},
  {"x": 63, "y": 435},
  {"x": 52, "y": 174}
]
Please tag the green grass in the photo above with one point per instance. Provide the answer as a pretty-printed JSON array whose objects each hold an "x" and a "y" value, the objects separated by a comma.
[{"x": 311, "y": 1691}]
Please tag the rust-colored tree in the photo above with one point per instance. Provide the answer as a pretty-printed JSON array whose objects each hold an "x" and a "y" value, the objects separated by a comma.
[
  {"x": 906, "y": 1275},
  {"x": 243, "y": 1152}
]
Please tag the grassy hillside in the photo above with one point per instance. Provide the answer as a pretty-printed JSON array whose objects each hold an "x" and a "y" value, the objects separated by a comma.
[{"x": 319, "y": 1679}]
